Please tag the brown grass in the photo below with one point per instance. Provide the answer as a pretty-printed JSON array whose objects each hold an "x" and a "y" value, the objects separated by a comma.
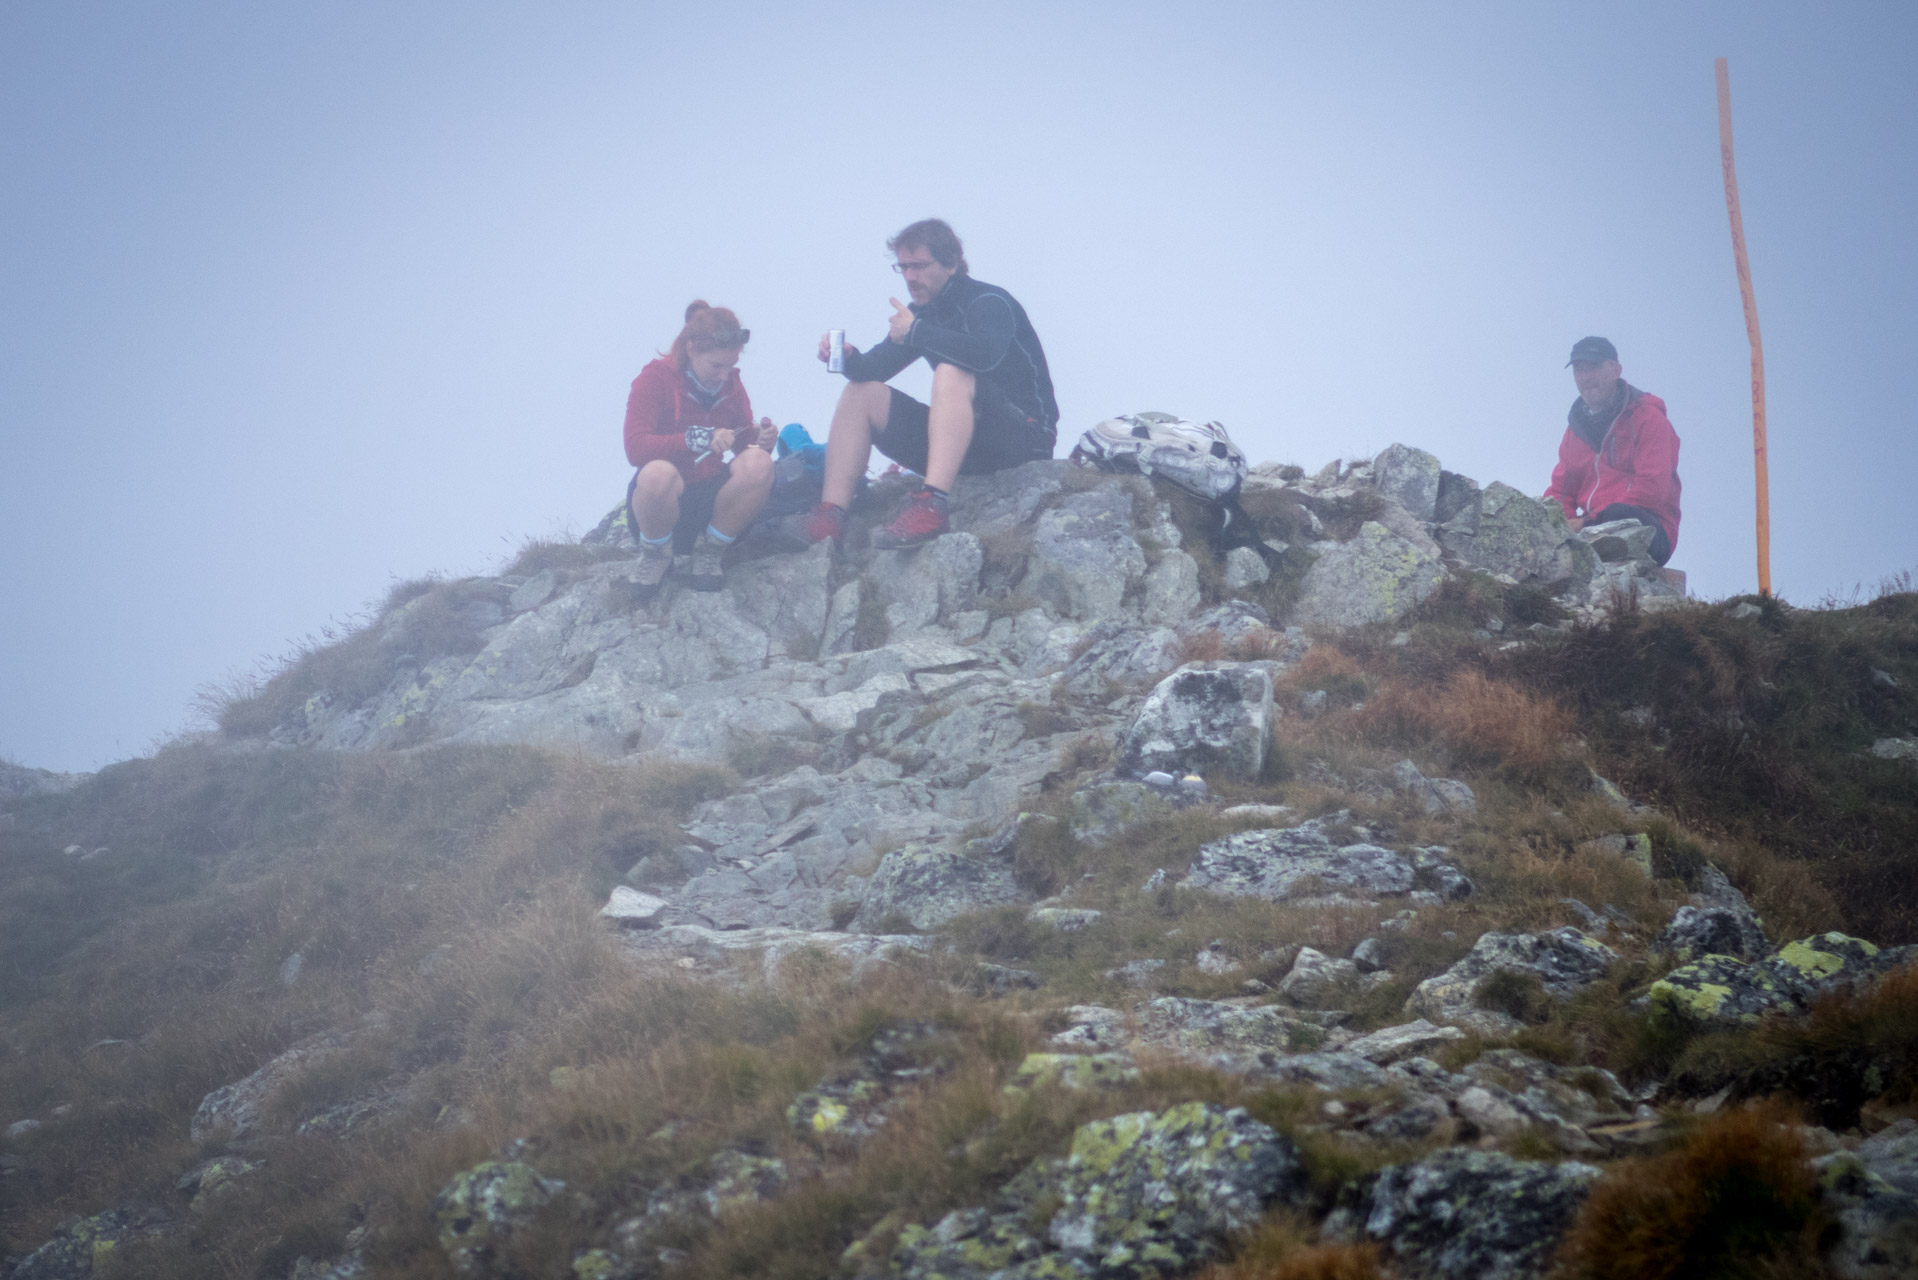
[
  {"x": 1479, "y": 721},
  {"x": 1735, "y": 1199}
]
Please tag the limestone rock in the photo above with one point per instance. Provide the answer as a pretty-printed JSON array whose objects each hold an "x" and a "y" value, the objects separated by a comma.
[
  {"x": 1410, "y": 477},
  {"x": 1105, "y": 809},
  {"x": 1084, "y": 556},
  {"x": 1563, "y": 960},
  {"x": 1143, "y": 1193},
  {"x": 1696, "y": 932},
  {"x": 1074, "y": 1071},
  {"x": 1896, "y": 749},
  {"x": 854, "y": 1104},
  {"x": 1205, "y": 717},
  {"x": 1244, "y": 567},
  {"x": 1475, "y": 1215},
  {"x": 235, "y": 1109},
  {"x": 1873, "y": 1192},
  {"x": 929, "y": 885},
  {"x": 1408, "y": 1040},
  {"x": 1118, "y": 653},
  {"x": 926, "y": 584},
  {"x": 1434, "y": 795},
  {"x": 1317, "y": 981},
  {"x": 1171, "y": 591},
  {"x": 1720, "y": 992},
  {"x": 82, "y": 1244},
  {"x": 1457, "y": 503},
  {"x": 1294, "y": 862},
  {"x": 479, "y": 1210},
  {"x": 1210, "y": 1029},
  {"x": 1619, "y": 540},
  {"x": 1525, "y": 538},
  {"x": 1376, "y": 577},
  {"x": 628, "y": 906}
]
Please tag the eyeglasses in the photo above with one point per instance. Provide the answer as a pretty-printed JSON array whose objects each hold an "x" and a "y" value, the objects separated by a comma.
[{"x": 903, "y": 267}]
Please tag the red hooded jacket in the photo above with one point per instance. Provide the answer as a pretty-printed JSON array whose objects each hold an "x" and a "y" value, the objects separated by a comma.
[
  {"x": 1636, "y": 463},
  {"x": 660, "y": 411}
]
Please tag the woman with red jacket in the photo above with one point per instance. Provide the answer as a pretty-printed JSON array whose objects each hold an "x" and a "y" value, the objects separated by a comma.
[{"x": 687, "y": 411}]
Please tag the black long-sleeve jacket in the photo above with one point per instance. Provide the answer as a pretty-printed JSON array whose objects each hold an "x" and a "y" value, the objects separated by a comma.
[{"x": 980, "y": 328}]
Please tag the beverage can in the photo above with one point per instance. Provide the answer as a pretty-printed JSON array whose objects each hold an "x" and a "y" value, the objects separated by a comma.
[{"x": 836, "y": 351}]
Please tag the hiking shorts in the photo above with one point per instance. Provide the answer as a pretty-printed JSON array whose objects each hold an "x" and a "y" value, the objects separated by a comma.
[
  {"x": 1002, "y": 436},
  {"x": 695, "y": 509}
]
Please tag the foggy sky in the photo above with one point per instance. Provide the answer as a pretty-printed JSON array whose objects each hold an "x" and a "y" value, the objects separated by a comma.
[{"x": 296, "y": 301}]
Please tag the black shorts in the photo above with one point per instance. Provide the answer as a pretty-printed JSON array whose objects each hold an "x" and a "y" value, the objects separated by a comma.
[
  {"x": 695, "y": 510},
  {"x": 1002, "y": 436}
]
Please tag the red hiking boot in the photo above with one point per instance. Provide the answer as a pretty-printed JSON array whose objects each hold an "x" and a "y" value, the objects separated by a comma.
[
  {"x": 800, "y": 531},
  {"x": 922, "y": 519}
]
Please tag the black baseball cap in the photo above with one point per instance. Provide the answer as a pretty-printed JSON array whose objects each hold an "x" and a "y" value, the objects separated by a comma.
[{"x": 1597, "y": 350}]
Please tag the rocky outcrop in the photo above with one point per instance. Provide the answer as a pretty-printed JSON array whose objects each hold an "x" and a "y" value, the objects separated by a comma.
[
  {"x": 86, "y": 1247},
  {"x": 1722, "y": 992},
  {"x": 1475, "y": 1215},
  {"x": 1292, "y": 863},
  {"x": 484, "y": 1207},
  {"x": 1560, "y": 962},
  {"x": 1873, "y": 1193},
  {"x": 1138, "y": 1195}
]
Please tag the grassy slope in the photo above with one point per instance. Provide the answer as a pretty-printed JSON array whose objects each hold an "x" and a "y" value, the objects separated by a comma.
[{"x": 453, "y": 890}]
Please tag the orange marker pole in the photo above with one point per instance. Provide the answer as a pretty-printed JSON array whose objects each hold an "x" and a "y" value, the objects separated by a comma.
[{"x": 1751, "y": 325}]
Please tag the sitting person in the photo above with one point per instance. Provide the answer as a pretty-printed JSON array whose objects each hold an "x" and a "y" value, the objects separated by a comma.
[
  {"x": 687, "y": 410},
  {"x": 1619, "y": 457},
  {"x": 992, "y": 405}
]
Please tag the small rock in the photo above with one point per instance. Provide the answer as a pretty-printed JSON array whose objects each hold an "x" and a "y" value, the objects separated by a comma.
[
  {"x": 628, "y": 906},
  {"x": 1316, "y": 980},
  {"x": 1064, "y": 919},
  {"x": 1408, "y": 1040},
  {"x": 1896, "y": 749},
  {"x": 1074, "y": 1071},
  {"x": 1696, "y": 932}
]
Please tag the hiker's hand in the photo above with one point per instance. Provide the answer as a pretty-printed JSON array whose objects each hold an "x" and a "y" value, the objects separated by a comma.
[
  {"x": 722, "y": 440},
  {"x": 1574, "y": 523},
  {"x": 825, "y": 347},
  {"x": 768, "y": 433},
  {"x": 901, "y": 322}
]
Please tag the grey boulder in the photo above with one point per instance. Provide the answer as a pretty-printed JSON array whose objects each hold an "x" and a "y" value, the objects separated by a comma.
[
  {"x": 1205, "y": 717},
  {"x": 1475, "y": 1215}
]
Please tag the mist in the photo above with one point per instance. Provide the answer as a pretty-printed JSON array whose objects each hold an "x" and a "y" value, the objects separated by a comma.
[{"x": 302, "y": 302}]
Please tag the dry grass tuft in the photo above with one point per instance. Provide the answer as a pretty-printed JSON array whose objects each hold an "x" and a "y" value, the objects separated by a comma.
[
  {"x": 1478, "y": 721},
  {"x": 1735, "y": 1199}
]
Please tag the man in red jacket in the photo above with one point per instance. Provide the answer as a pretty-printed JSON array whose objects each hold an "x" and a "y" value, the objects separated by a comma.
[{"x": 1619, "y": 457}]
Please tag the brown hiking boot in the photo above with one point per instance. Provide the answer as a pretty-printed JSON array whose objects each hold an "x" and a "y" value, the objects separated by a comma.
[{"x": 654, "y": 564}]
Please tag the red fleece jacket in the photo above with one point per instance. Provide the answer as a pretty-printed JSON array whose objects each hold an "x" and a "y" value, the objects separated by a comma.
[
  {"x": 660, "y": 411},
  {"x": 1636, "y": 463}
]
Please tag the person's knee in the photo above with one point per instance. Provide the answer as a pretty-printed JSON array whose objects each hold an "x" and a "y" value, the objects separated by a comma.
[
  {"x": 951, "y": 380},
  {"x": 657, "y": 479},
  {"x": 753, "y": 468}
]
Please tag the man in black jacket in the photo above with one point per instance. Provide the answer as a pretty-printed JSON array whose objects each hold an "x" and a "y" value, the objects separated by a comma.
[{"x": 992, "y": 405}]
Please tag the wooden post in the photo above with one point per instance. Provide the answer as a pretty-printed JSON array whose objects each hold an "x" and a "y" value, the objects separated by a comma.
[{"x": 1751, "y": 326}]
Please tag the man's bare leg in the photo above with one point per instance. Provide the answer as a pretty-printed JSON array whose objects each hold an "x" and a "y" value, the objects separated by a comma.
[
  {"x": 948, "y": 425},
  {"x": 744, "y": 492},
  {"x": 863, "y": 409}
]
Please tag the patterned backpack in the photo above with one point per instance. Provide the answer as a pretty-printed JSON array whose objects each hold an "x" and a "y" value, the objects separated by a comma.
[{"x": 1197, "y": 457}]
